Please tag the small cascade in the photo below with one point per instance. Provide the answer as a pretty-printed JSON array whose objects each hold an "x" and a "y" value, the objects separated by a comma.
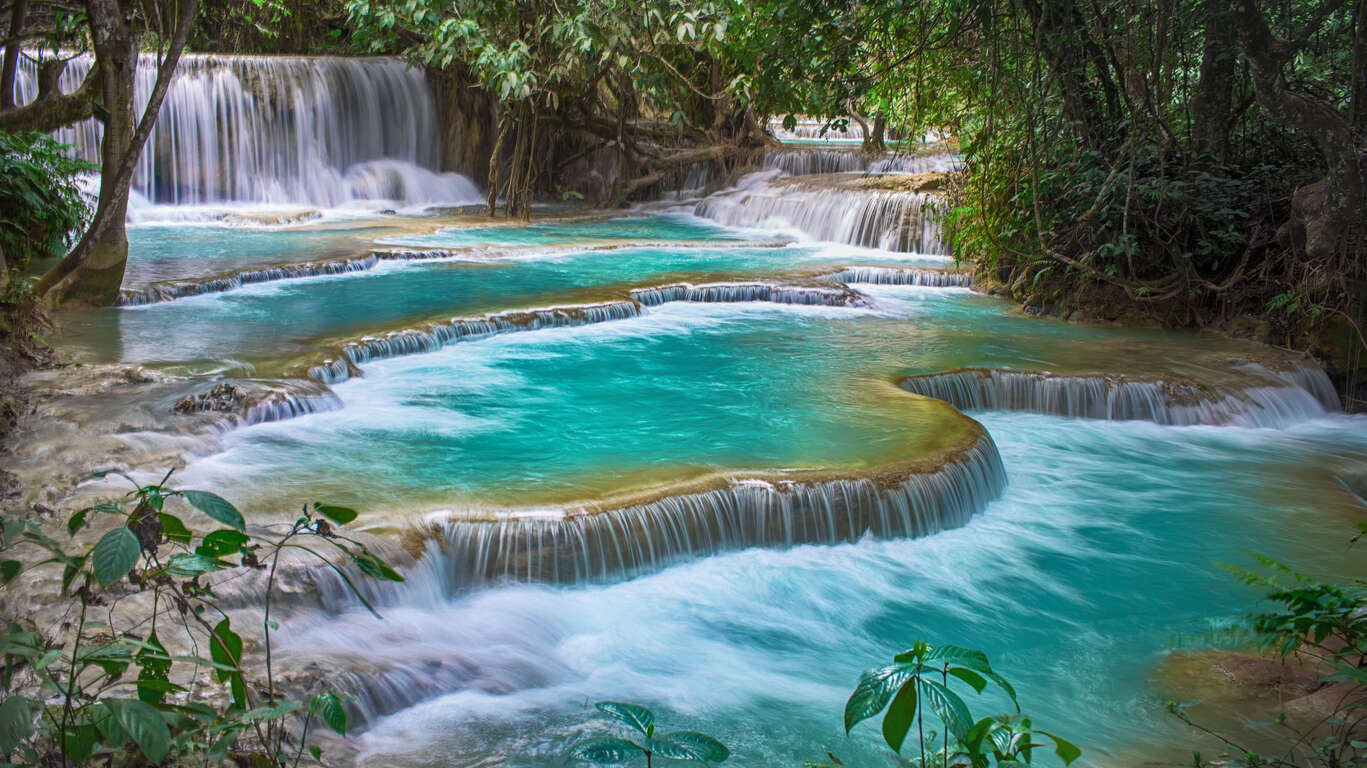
[
  {"x": 415, "y": 341},
  {"x": 816, "y": 130},
  {"x": 418, "y": 254},
  {"x": 609, "y": 545},
  {"x": 808, "y": 161},
  {"x": 181, "y": 289},
  {"x": 1114, "y": 399},
  {"x": 283, "y": 404},
  {"x": 906, "y": 222},
  {"x": 437, "y": 335},
  {"x": 737, "y": 292},
  {"x": 929, "y": 278},
  {"x": 264, "y": 129},
  {"x": 688, "y": 182}
]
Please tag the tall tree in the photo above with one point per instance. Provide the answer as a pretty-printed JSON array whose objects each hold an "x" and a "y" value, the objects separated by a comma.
[{"x": 115, "y": 31}]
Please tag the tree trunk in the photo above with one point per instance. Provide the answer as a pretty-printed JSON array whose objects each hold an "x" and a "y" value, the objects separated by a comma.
[
  {"x": 1327, "y": 213},
  {"x": 11, "y": 63},
  {"x": 1359, "y": 93},
  {"x": 92, "y": 273},
  {"x": 1211, "y": 104},
  {"x": 874, "y": 140}
]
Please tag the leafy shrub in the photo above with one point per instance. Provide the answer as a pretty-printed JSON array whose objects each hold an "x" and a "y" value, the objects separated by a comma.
[
  {"x": 678, "y": 745},
  {"x": 42, "y": 208},
  {"x": 919, "y": 680},
  {"x": 69, "y": 697}
]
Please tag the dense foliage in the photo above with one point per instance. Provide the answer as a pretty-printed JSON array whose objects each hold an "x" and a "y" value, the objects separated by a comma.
[
  {"x": 41, "y": 203},
  {"x": 142, "y": 598}
]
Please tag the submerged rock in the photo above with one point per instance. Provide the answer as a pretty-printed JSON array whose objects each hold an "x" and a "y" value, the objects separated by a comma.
[{"x": 224, "y": 397}]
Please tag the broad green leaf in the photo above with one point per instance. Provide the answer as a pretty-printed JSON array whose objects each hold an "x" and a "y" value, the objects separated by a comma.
[
  {"x": 80, "y": 742},
  {"x": 16, "y": 722},
  {"x": 969, "y": 676},
  {"x": 901, "y": 714},
  {"x": 115, "y": 555},
  {"x": 173, "y": 529},
  {"x": 76, "y": 522},
  {"x": 948, "y": 706},
  {"x": 373, "y": 566},
  {"x": 873, "y": 692},
  {"x": 606, "y": 751},
  {"x": 272, "y": 711},
  {"x": 636, "y": 716},
  {"x": 144, "y": 724},
  {"x": 316, "y": 752},
  {"x": 338, "y": 515},
  {"x": 187, "y": 564},
  {"x": 709, "y": 749},
  {"x": 9, "y": 569},
  {"x": 1066, "y": 750},
  {"x": 224, "y": 541},
  {"x": 329, "y": 707},
  {"x": 217, "y": 507},
  {"x": 154, "y": 667}
]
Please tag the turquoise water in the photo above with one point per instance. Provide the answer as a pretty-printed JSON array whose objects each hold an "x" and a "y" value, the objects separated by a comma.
[
  {"x": 179, "y": 252},
  {"x": 1101, "y": 555}
]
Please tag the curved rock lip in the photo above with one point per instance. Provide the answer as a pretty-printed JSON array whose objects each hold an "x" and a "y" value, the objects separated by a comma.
[
  {"x": 938, "y": 486},
  {"x": 920, "y": 276},
  {"x": 434, "y": 336},
  {"x": 1273, "y": 399}
]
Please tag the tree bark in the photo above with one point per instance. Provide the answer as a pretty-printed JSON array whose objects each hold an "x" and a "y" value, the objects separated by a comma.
[
  {"x": 1324, "y": 214},
  {"x": 1211, "y": 104},
  {"x": 1359, "y": 93},
  {"x": 92, "y": 273},
  {"x": 11, "y": 63},
  {"x": 53, "y": 109}
]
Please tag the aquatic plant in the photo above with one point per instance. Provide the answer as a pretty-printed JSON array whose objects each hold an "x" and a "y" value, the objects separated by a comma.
[
  {"x": 678, "y": 745},
  {"x": 69, "y": 696},
  {"x": 919, "y": 680}
]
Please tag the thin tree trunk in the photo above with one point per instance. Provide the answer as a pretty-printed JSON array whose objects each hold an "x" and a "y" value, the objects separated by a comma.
[
  {"x": 92, "y": 273},
  {"x": 11, "y": 63}
]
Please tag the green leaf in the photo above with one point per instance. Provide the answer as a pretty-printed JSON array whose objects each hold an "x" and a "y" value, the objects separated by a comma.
[
  {"x": 968, "y": 676},
  {"x": 373, "y": 566},
  {"x": 338, "y": 515},
  {"x": 606, "y": 751},
  {"x": 707, "y": 749},
  {"x": 329, "y": 707},
  {"x": 144, "y": 724},
  {"x": 224, "y": 541},
  {"x": 16, "y": 722},
  {"x": 187, "y": 564},
  {"x": 873, "y": 692},
  {"x": 1066, "y": 750},
  {"x": 948, "y": 706},
  {"x": 901, "y": 714},
  {"x": 636, "y": 716},
  {"x": 225, "y": 647},
  {"x": 316, "y": 752},
  {"x": 217, "y": 507},
  {"x": 173, "y": 529},
  {"x": 76, "y": 522},
  {"x": 115, "y": 555},
  {"x": 9, "y": 569},
  {"x": 80, "y": 742},
  {"x": 155, "y": 666}
]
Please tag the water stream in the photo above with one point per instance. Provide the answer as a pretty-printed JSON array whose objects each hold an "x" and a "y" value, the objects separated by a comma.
[{"x": 706, "y": 457}]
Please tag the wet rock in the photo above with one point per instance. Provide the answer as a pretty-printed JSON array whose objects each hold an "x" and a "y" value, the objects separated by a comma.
[
  {"x": 387, "y": 212},
  {"x": 1034, "y": 310},
  {"x": 222, "y": 398}
]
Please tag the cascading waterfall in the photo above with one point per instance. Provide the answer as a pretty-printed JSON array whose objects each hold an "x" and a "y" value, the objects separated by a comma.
[
  {"x": 181, "y": 289},
  {"x": 808, "y": 161},
  {"x": 316, "y": 131},
  {"x": 414, "y": 341},
  {"x": 928, "y": 278},
  {"x": 906, "y": 222},
  {"x": 599, "y": 546},
  {"x": 738, "y": 292},
  {"x": 1296, "y": 397}
]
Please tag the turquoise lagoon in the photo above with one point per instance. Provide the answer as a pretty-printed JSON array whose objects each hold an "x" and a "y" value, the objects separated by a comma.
[{"x": 1100, "y": 555}]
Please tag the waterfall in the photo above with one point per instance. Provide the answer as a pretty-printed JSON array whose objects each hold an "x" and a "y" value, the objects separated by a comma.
[
  {"x": 734, "y": 292},
  {"x": 413, "y": 341},
  {"x": 929, "y": 278},
  {"x": 266, "y": 129},
  {"x": 807, "y": 161},
  {"x": 906, "y": 222},
  {"x": 576, "y": 547},
  {"x": 1295, "y": 396},
  {"x": 160, "y": 292}
]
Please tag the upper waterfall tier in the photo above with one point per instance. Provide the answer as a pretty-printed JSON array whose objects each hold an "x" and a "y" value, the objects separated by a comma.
[{"x": 319, "y": 131}]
